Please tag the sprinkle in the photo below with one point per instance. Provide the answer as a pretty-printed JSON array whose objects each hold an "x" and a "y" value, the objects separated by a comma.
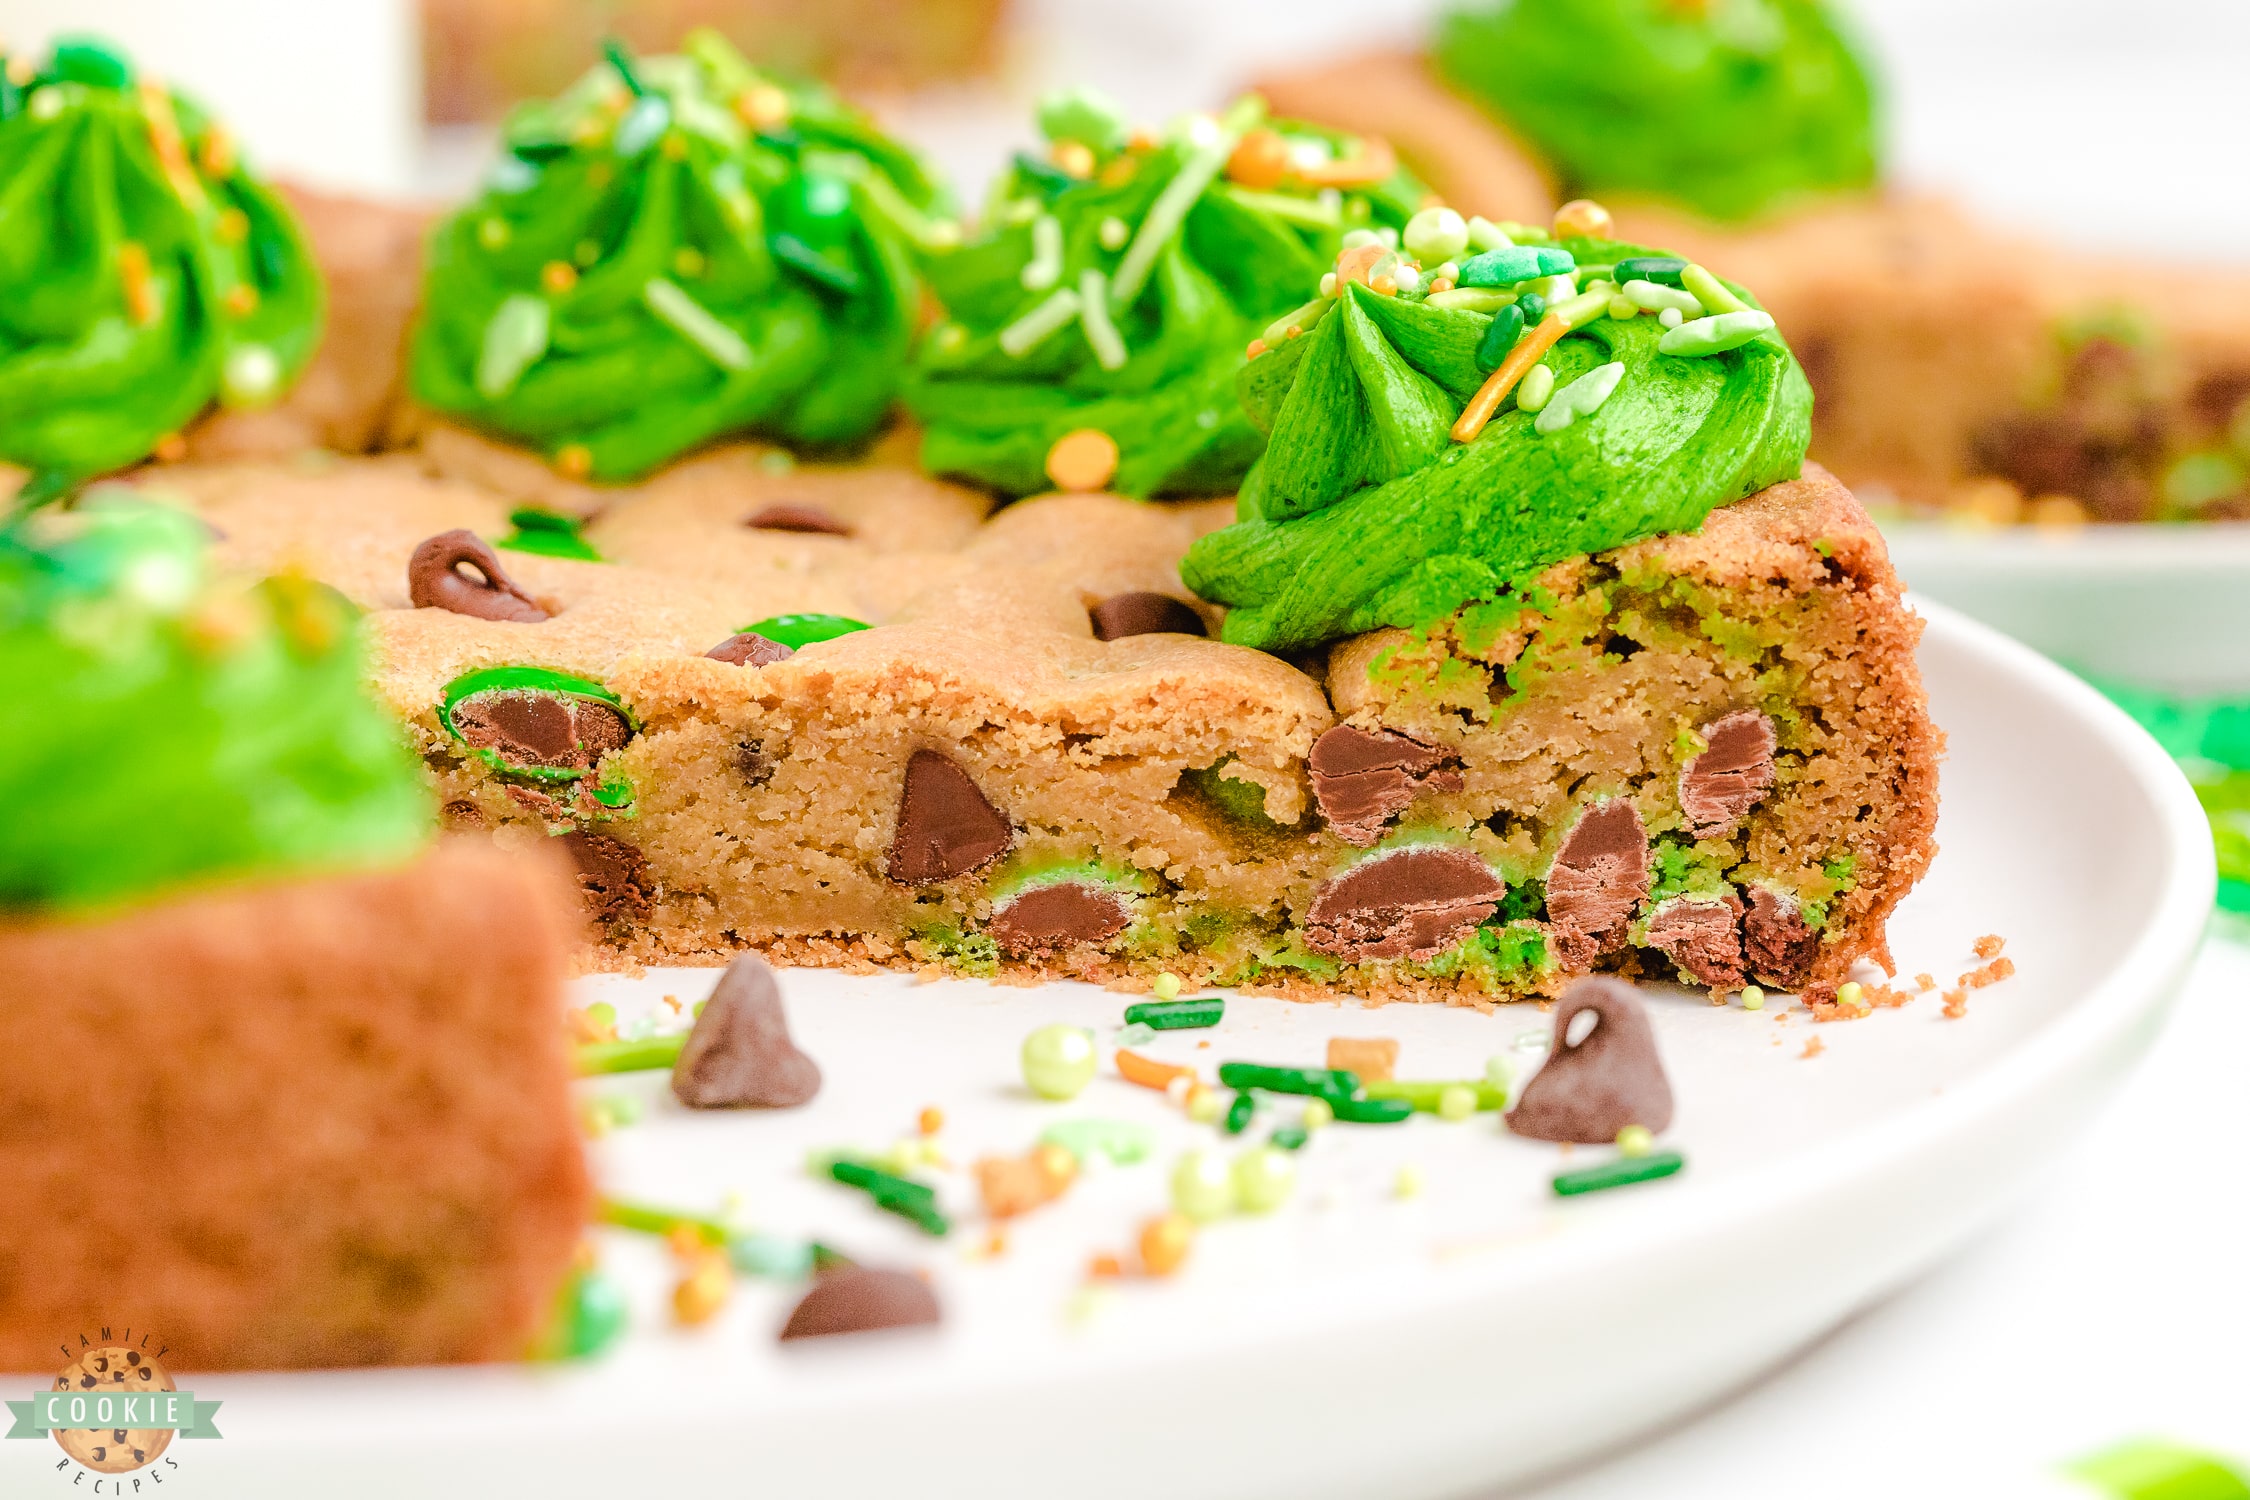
[
  {"x": 514, "y": 340},
  {"x": 1537, "y": 389},
  {"x": 1148, "y": 1072},
  {"x": 1167, "y": 214},
  {"x": 1203, "y": 1186},
  {"x": 1989, "y": 945},
  {"x": 1581, "y": 398},
  {"x": 1435, "y": 235},
  {"x": 1716, "y": 334},
  {"x": 1371, "y": 1111},
  {"x": 1623, "y": 309},
  {"x": 1429, "y": 1097},
  {"x": 1082, "y": 461},
  {"x": 1027, "y": 332},
  {"x": 1263, "y": 1179},
  {"x": 1239, "y": 1112},
  {"x": 931, "y": 1120},
  {"x": 1044, "y": 268},
  {"x": 233, "y": 226},
  {"x": 1753, "y": 998},
  {"x": 1058, "y": 1061},
  {"x": 1165, "y": 1242},
  {"x": 1849, "y": 994},
  {"x": 704, "y": 1290},
  {"x": 140, "y": 285},
  {"x": 1323, "y": 212},
  {"x": 1486, "y": 235},
  {"x": 642, "y": 1218},
  {"x": 1328, "y": 284},
  {"x": 1709, "y": 292},
  {"x": 1113, "y": 233},
  {"x": 1073, "y": 157},
  {"x": 1671, "y": 317},
  {"x": 689, "y": 262},
  {"x": 575, "y": 460},
  {"x": 1621, "y": 1172},
  {"x": 1635, "y": 1140},
  {"x": 171, "y": 149},
  {"x": 1373, "y": 162},
  {"x": 1653, "y": 297},
  {"x": 910, "y": 1200},
  {"x": 1122, "y": 1142},
  {"x": 1330, "y": 1083},
  {"x": 1134, "y": 1034},
  {"x": 1093, "y": 314},
  {"x": 1013, "y": 1185},
  {"x": 1166, "y": 987},
  {"x": 1483, "y": 299},
  {"x": 1203, "y": 1106},
  {"x": 693, "y": 322},
  {"x": 558, "y": 276},
  {"x": 1456, "y": 1102},
  {"x": 1583, "y": 219},
  {"x": 1104, "y": 1267},
  {"x": 1408, "y": 1182},
  {"x": 1318, "y": 1115},
  {"x": 1297, "y": 319},
  {"x": 762, "y": 106},
  {"x": 1528, "y": 352},
  {"x": 1178, "y": 1015}
]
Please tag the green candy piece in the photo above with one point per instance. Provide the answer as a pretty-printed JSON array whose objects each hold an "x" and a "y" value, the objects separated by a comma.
[
  {"x": 1085, "y": 115},
  {"x": 1715, "y": 335},
  {"x": 1150, "y": 357},
  {"x": 590, "y": 1314},
  {"x": 547, "y": 534},
  {"x": 1239, "y": 1112},
  {"x": 633, "y": 284},
  {"x": 1289, "y": 1138},
  {"x": 1514, "y": 263},
  {"x": 1621, "y": 1172},
  {"x": 1500, "y": 337},
  {"x": 1365, "y": 513},
  {"x": 146, "y": 274},
  {"x": 1176, "y": 1015},
  {"x": 641, "y": 1055},
  {"x": 168, "y": 729},
  {"x": 1734, "y": 108},
  {"x": 799, "y": 631},
  {"x": 532, "y": 680},
  {"x": 1370, "y": 1111},
  {"x": 1120, "y": 1140},
  {"x": 1424, "y": 1096},
  {"x": 771, "y": 1255},
  {"x": 1327, "y": 1083},
  {"x": 1664, "y": 270}
]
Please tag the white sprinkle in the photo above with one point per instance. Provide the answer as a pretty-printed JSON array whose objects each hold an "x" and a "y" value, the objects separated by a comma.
[
  {"x": 1670, "y": 317},
  {"x": 1025, "y": 333},
  {"x": 1581, "y": 398},
  {"x": 1536, "y": 389},
  {"x": 649, "y": 118},
  {"x": 1114, "y": 233},
  {"x": 1046, "y": 263},
  {"x": 250, "y": 376},
  {"x": 1093, "y": 316},
  {"x": 1167, "y": 214},
  {"x": 695, "y": 323},
  {"x": 514, "y": 340}
]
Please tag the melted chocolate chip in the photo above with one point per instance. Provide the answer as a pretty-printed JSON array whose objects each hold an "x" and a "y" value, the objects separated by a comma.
[
  {"x": 526, "y": 727},
  {"x": 1722, "y": 784},
  {"x": 1412, "y": 904},
  {"x": 945, "y": 825},
  {"x": 750, "y": 649},
  {"x": 1058, "y": 916},
  {"x": 1780, "y": 945},
  {"x": 1702, "y": 936},
  {"x": 756, "y": 766},
  {"x": 612, "y": 873},
  {"x": 2218, "y": 395},
  {"x": 1121, "y": 615},
  {"x": 1599, "y": 876},
  {"x": 1362, "y": 778},
  {"x": 434, "y": 580},
  {"x": 1609, "y": 1079},
  {"x": 739, "y": 1055},
  {"x": 463, "y": 814},
  {"x": 860, "y": 1299},
  {"x": 810, "y": 520}
]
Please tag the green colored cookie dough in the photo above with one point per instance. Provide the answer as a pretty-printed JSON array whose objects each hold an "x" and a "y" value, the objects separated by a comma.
[
  {"x": 1366, "y": 512},
  {"x": 143, "y": 272},
  {"x": 1123, "y": 300},
  {"x": 164, "y": 727},
  {"x": 676, "y": 250},
  {"x": 1730, "y": 107}
]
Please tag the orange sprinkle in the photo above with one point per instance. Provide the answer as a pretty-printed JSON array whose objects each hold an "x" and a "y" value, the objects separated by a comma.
[
  {"x": 1148, "y": 1072},
  {"x": 1055, "y": 1164},
  {"x": 1374, "y": 162},
  {"x": 1082, "y": 461},
  {"x": 931, "y": 1120},
  {"x": 996, "y": 1243},
  {"x": 1528, "y": 352},
  {"x": 171, "y": 150},
  {"x": 558, "y": 276},
  {"x": 1294, "y": 332},
  {"x": 575, "y": 460},
  {"x": 1374, "y": 1059},
  {"x": 1165, "y": 1241},
  {"x": 1074, "y": 157},
  {"x": 218, "y": 153},
  {"x": 242, "y": 299},
  {"x": 1583, "y": 218},
  {"x": 1441, "y": 284},
  {"x": 232, "y": 226},
  {"x": 1257, "y": 347},
  {"x": 1814, "y": 1046},
  {"x": 584, "y": 1028},
  {"x": 686, "y": 1242},
  {"x": 1383, "y": 286},
  {"x": 1012, "y": 1185},
  {"x": 761, "y": 106},
  {"x": 170, "y": 448},
  {"x": 674, "y": 146},
  {"x": 1355, "y": 264},
  {"x": 1925, "y": 983},
  {"x": 1956, "y": 1004},
  {"x": 1260, "y": 160},
  {"x": 1119, "y": 171},
  {"x": 1989, "y": 945},
  {"x": 703, "y": 1291},
  {"x": 1104, "y": 1267},
  {"x": 140, "y": 290}
]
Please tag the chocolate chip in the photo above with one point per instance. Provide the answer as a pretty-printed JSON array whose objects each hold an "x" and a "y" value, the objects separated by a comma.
[
  {"x": 750, "y": 649},
  {"x": 1362, "y": 778},
  {"x": 809, "y": 519},
  {"x": 2217, "y": 395},
  {"x": 860, "y": 1299},
  {"x": 529, "y": 727},
  {"x": 1057, "y": 916},
  {"x": 434, "y": 580},
  {"x": 751, "y": 760},
  {"x": 1780, "y": 944},
  {"x": 463, "y": 814},
  {"x": 612, "y": 873},
  {"x": 945, "y": 825},
  {"x": 1609, "y": 1079},
  {"x": 1142, "y": 613},
  {"x": 1702, "y": 935},
  {"x": 1599, "y": 876},
  {"x": 1412, "y": 904},
  {"x": 1722, "y": 784},
  {"x": 739, "y": 1055}
]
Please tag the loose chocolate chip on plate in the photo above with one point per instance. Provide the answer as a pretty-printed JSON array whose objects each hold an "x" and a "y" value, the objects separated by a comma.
[
  {"x": 1412, "y": 904},
  {"x": 612, "y": 873},
  {"x": 749, "y": 649},
  {"x": 1733, "y": 773},
  {"x": 808, "y": 519},
  {"x": 434, "y": 580},
  {"x": 1142, "y": 613},
  {"x": 1362, "y": 778},
  {"x": 1608, "y": 1079},
  {"x": 1599, "y": 876},
  {"x": 1703, "y": 936},
  {"x": 1057, "y": 916},
  {"x": 945, "y": 825},
  {"x": 531, "y": 727},
  {"x": 1781, "y": 945},
  {"x": 739, "y": 1055},
  {"x": 860, "y": 1299}
]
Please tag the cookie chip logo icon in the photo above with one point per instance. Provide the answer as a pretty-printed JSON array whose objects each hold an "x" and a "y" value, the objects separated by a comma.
[{"x": 113, "y": 1408}]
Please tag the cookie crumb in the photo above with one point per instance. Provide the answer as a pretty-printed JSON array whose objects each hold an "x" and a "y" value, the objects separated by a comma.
[
  {"x": 1956, "y": 1004},
  {"x": 1989, "y": 945},
  {"x": 1814, "y": 1046},
  {"x": 1924, "y": 983}
]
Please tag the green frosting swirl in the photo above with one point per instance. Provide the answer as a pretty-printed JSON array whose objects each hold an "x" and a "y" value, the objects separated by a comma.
[
  {"x": 1366, "y": 513},
  {"x": 143, "y": 272},
  {"x": 1122, "y": 300},
  {"x": 1731, "y": 107},
  {"x": 673, "y": 251},
  {"x": 164, "y": 727}
]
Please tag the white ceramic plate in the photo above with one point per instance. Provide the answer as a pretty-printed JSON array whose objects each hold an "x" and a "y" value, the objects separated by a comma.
[
  {"x": 2157, "y": 606},
  {"x": 1352, "y": 1344}
]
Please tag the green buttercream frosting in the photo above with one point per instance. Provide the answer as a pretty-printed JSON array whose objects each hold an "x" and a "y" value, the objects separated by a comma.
[
  {"x": 164, "y": 727},
  {"x": 1365, "y": 512},
  {"x": 1122, "y": 300},
  {"x": 679, "y": 249},
  {"x": 1731, "y": 107},
  {"x": 143, "y": 273}
]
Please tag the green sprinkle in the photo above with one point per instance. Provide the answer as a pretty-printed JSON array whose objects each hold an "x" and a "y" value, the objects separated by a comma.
[
  {"x": 1203, "y": 1186},
  {"x": 1499, "y": 338},
  {"x": 1483, "y": 299},
  {"x": 1121, "y": 1141},
  {"x": 1042, "y": 322},
  {"x": 1177, "y": 1015},
  {"x": 1303, "y": 317},
  {"x": 514, "y": 341},
  {"x": 1289, "y": 1137},
  {"x": 1045, "y": 267},
  {"x": 2151, "y": 1469},
  {"x": 799, "y": 631},
  {"x": 1506, "y": 267},
  {"x": 642, "y": 1055},
  {"x": 1371, "y": 1111},
  {"x": 913, "y": 1201},
  {"x": 1709, "y": 291},
  {"x": 1664, "y": 270},
  {"x": 1536, "y": 388},
  {"x": 1329, "y": 1083},
  {"x": 1651, "y": 296},
  {"x": 1576, "y": 312},
  {"x": 1635, "y": 1140},
  {"x": 1238, "y": 1113},
  {"x": 1170, "y": 210},
  {"x": 1319, "y": 1114},
  {"x": 771, "y": 1255},
  {"x": 1849, "y": 993},
  {"x": 1753, "y": 998},
  {"x": 1135, "y": 1034},
  {"x": 1581, "y": 398},
  {"x": 1486, "y": 235},
  {"x": 802, "y": 258},
  {"x": 1263, "y": 1179},
  {"x": 1093, "y": 315},
  {"x": 1622, "y": 1172},
  {"x": 1457, "y": 1102},
  {"x": 589, "y": 1315},
  {"x": 645, "y": 1218},
  {"x": 1715, "y": 335},
  {"x": 1167, "y": 986},
  {"x": 1429, "y": 1097},
  {"x": 1313, "y": 213},
  {"x": 692, "y": 321}
]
